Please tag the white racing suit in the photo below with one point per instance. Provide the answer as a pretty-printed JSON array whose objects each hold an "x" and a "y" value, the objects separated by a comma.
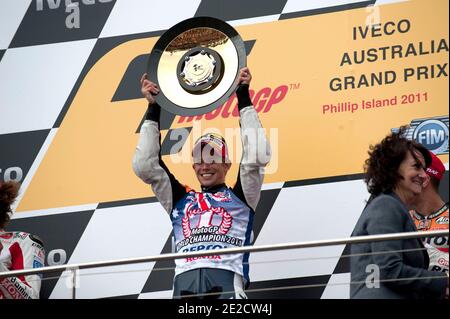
[
  {"x": 215, "y": 218},
  {"x": 19, "y": 251}
]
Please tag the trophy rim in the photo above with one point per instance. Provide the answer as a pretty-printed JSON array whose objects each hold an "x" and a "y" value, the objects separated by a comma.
[{"x": 172, "y": 33}]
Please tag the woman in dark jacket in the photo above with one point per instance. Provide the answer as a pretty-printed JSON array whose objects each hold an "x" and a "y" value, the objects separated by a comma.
[{"x": 395, "y": 171}]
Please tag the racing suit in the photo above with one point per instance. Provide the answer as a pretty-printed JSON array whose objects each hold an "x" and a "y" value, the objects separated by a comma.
[
  {"x": 437, "y": 247},
  {"x": 214, "y": 218},
  {"x": 19, "y": 251}
]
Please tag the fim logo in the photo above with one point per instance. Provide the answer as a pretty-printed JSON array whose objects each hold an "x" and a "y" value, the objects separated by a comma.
[{"x": 431, "y": 133}]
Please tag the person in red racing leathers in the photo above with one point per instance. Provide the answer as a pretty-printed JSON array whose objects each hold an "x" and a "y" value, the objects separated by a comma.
[
  {"x": 18, "y": 251},
  {"x": 432, "y": 214},
  {"x": 216, "y": 217}
]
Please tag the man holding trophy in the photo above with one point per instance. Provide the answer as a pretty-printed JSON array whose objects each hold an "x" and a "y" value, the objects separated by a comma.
[
  {"x": 193, "y": 68},
  {"x": 216, "y": 217}
]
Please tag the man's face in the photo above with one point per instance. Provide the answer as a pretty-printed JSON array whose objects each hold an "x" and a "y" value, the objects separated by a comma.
[
  {"x": 211, "y": 174},
  {"x": 209, "y": 165}
]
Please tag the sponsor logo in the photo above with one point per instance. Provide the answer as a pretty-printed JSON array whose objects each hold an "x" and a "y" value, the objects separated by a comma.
[
  {"x": 20, "y": 235},
  {"x": 205, "y": 221},
  {"x": 263, "y": 100},
  {"x": 443, "y": 220},
  {"x": 432, "y": 171},
  {"x": 37, "y": 240},
  {"x": 432, "y": 133},
  {"x": 443, "y": 262},
  {"x": 438, "y": 268},
  {"x": 214, "y": 257},
  {"x": 13, "y": 293},
  {"x": 203, "y": 247},
  {"x": 15, "y": 289},
  {"x": 37, "y": 264},
  {"x": 38, "y": 246}
]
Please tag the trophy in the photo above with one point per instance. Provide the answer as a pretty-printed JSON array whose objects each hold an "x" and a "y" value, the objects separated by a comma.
[{"x": 196, "y": 64}]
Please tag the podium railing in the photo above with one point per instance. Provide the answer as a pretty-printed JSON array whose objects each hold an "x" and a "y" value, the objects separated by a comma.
[{"x": 74, "y": 268}]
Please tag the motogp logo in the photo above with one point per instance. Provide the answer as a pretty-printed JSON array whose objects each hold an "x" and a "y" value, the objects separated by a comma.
[{"x": 215, "y": 220}]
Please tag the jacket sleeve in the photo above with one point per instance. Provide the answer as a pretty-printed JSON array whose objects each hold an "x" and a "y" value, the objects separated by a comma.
[
  {"x": 389, "y": 216},
  {"x": 256, "y": 151},
  {"x": 148, "y": 164},
  {"x": 26, "y": 254}
]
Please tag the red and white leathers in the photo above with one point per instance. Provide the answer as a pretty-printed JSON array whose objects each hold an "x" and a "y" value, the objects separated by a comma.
[{"x": 19, "y": 251}]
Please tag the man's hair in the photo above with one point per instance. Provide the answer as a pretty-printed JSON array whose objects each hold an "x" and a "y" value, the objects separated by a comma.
[
  {"x": 8, "y": 194},
  {"x": 381, "y": 168}
]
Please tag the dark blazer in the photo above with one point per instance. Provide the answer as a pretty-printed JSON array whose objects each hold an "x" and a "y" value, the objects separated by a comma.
[{"x": 387, "y": 214}]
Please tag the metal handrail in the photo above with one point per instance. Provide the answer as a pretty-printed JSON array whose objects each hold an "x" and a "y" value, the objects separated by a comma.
[{"x": 225, "y": 251}]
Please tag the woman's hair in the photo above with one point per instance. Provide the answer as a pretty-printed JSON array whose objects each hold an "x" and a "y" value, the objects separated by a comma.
[
  {"x": 8, "y": 194},
  {"x": 381, "y": 168}
]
